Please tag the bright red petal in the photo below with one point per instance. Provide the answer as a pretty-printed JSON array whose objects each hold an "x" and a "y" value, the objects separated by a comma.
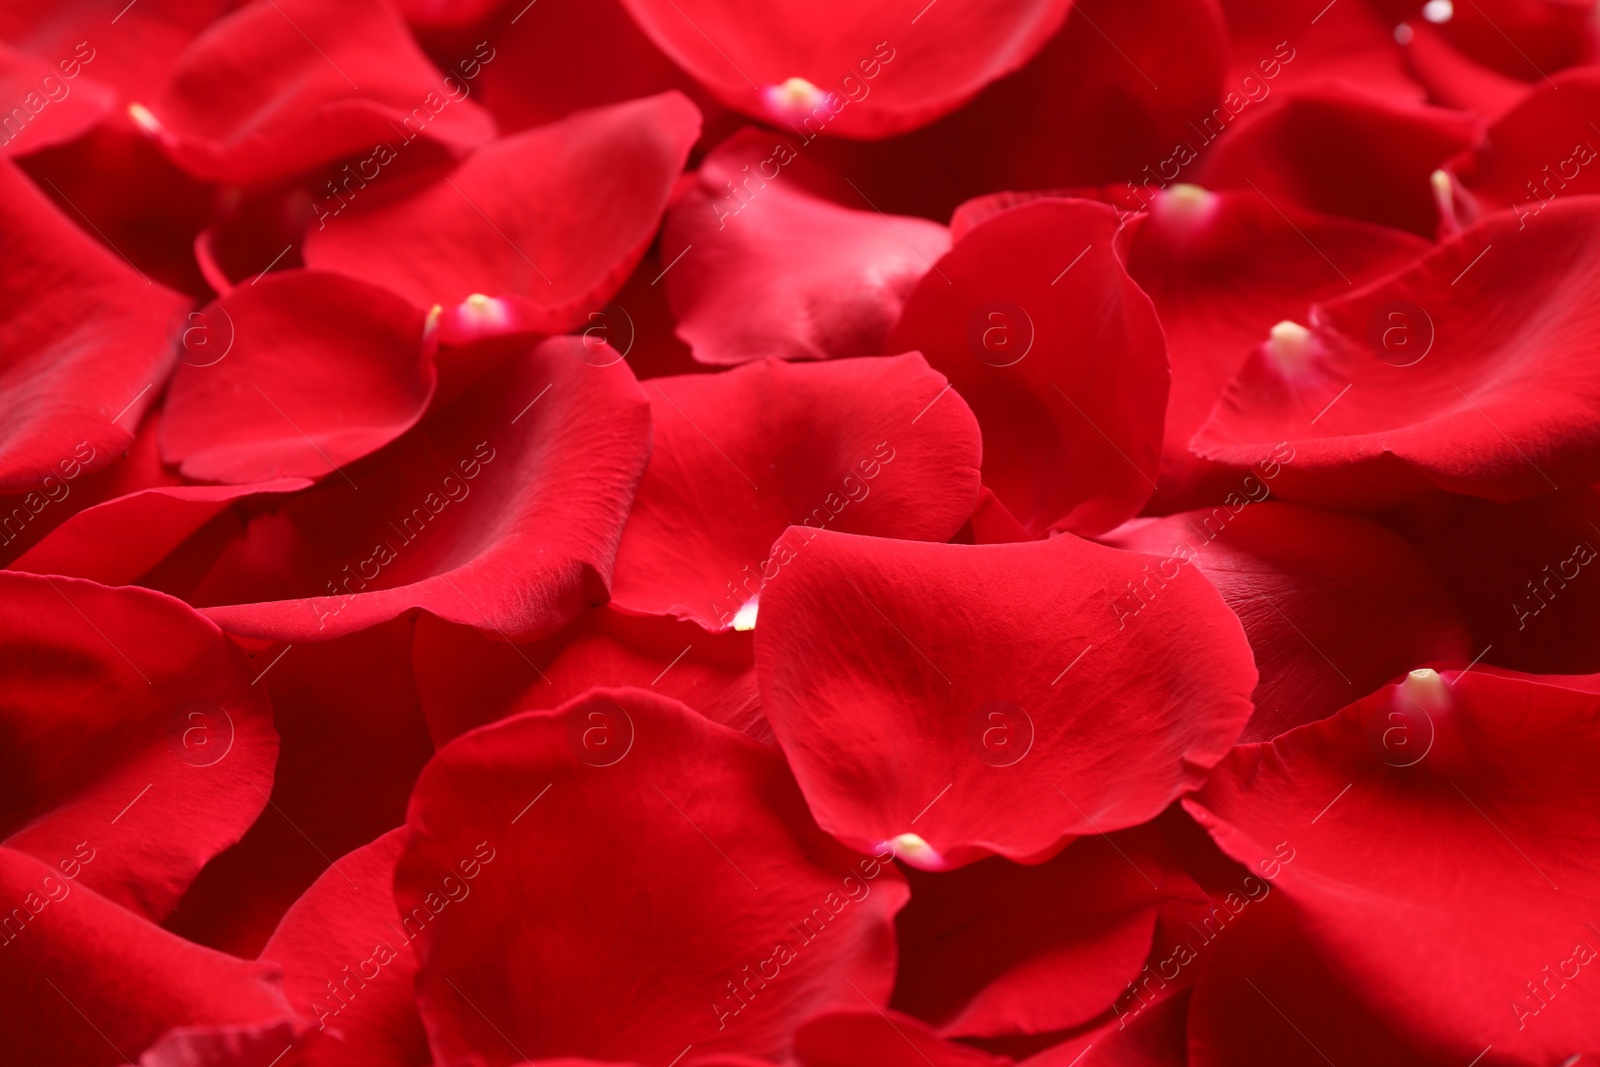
[
  {"x": 1069, "y": 442},
  {"x": 817, "y": 65},
  {"x": 279, "y": 86},
  {"x": 553, "y": 219},
  {"x": 775, "y": 269},
  {"x": 769, "y": 922},
  {"x": 134, "y": 729},
  {"x": 969, "y": 700},
  {"x": 1470, "y": 370},
  {"x": 1419, "y": 827},
  {"x": 869, "y": 446},
  {"x": 502, "y": 510}
]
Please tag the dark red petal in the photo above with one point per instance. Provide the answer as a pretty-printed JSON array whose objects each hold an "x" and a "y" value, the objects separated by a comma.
[
  {"x": 816, "y": 66},
  {"x": 280, "y": 86},
  {"x": 1301, "y": 42},
  {"x": 308, "y": 371},
  {"x": 869, "y": 446},
  {"x": 552, "y": 74},
  {"x": 119, "y": 541},
  {"x": 1417, "y": 826},
  {"x": 1520, "y": 574},
  {"x": 255, "y": 1044},
  {"x": 1470, "y": 370},
  {"x": 348, "y": 964},
  {"x": 517, "y": 963},
  {"x": 857, "y": 1035},
  {"x": 774, "y": 269},
  {"x": 1334, "y": 606},
  {"x": 1069, "y": 443},
  {"x": 1343, "y": 150},
  {"x": 1222, "y": 269},
  {"x": 131, "y": 726},
  {"x": 73, "y": 385},
  {"x": 1525, "y": 39},
  {"x": 994, "y": 698},
  {"x": 467, "y": 678},
  {"x": 353, "y": 742},
  {"x": 1265, "y": 1000},
  {"x": 998, "y": 948},
  {"x": 502, "y": 510},
  {"x": 1109, "y": 99},
  {"x": 1156, "y": 1037},
  {"x": 89, "y": 984},
  {"x": 1541, "y": 149},
  {"x": 46, "y": 107},
  {"x": 554, "y": 218}
]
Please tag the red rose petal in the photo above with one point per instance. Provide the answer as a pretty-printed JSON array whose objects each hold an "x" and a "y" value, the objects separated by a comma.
[
  {"x": 134, "y": 729},
  {"x": 1420, "y": 826},
  {"x": 74, "y": 386},
  {"x": 1482, "y": 382},
  {"x": 1222, "y": 269},
  {"x": 1454, "y": 80},
  {"x": 1109, "y": 99},
  {"x": 552, "y": 74},
  {"x": 46, "y": 108},
  {"x": 467, "y": 678},
  {"x": 313, "y": 371},
  {"x": 1541, "y": 149},
  {"x": 1520, "y": 573},
  {"x": 859, "y": 1036},
  {"x": 993, "y": 699},
  {"x": 1300, "y": 42},
  {"x": 776, "y": 270},
  {"x": 89, "y": 984},
  {"x": 279, "y": 86},
  {"x": 502, "y": 511},
  {"x": 353, "y": 742},
  {"x": 348, "y": 964},
  {"x": 555, "y": 218},
  {"x": 997, "y": 948},
  {"x": 1334, "y": 605},
  {"x": 117, "y": 542},
  {"x": 867, "y": 446},
  {"x": 1069, "y": 442},
  {"x": 1266, "y": 1001},
  {"x": 146, "y": 39},
  {"x": 530, "y": 966},
  {"x": 819, "y": 66},
  {"x": 1338, "y": 149}
]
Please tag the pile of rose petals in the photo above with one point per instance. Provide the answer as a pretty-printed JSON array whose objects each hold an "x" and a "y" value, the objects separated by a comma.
[{"x": 687, "y": 533}]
